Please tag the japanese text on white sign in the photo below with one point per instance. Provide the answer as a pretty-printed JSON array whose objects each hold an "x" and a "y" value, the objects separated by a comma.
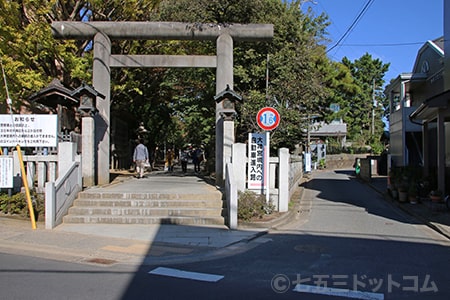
[
  {"x": 257, "y": 173},
  {"x": 28, "y": 130},
  {"x": 6, "y": 172}
]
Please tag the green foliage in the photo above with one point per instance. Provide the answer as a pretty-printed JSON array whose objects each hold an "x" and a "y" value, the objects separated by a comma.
[
  {"x": 32, "y": 58},
  {"x": 368, "y": 74},
  {"x": 376, "y": 147},
  {"x": 14, "y": 205},
  {"x": 334, "y": 145},
  {"x": 297, "y": 67},
  {"x": 176, "y": 105},
  {"x": 253, "y": 206},
  {"x": 17, "y": 204},
  {"x": 322, "y": 163}
]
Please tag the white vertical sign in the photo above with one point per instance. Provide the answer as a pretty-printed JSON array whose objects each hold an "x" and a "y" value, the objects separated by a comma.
[
  {"x": 258, "y": 161},
  {"x": 307, "y": 162},
  {"x": 6, "y": 172}
]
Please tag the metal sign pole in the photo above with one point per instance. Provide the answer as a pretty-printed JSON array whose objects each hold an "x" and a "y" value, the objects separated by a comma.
[
  {"x": 27, "y": 190},
  {"x": 267, "y": 166}
]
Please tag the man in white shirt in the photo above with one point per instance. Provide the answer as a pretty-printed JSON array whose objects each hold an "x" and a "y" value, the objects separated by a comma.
[{"x": 140, "y": 157}]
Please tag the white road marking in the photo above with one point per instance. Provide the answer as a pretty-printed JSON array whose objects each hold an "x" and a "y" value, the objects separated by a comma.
[
  {"x": 186, "y": 274},
  {"x": 338, "y": 292}
]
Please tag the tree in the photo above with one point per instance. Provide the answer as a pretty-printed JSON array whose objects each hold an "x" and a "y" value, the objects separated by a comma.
[
  {"x": 296, "y": 62},
  {"x": 364, "y": 115},
  {"x": 176, "y": 105},
  {"x": 342, "y": 89},
  {"x": 30, "y": 55},
  {"x": 297, "y": 71}
]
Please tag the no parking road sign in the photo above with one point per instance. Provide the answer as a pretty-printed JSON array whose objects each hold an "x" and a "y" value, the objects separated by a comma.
[{"x": 268, "y": 118}]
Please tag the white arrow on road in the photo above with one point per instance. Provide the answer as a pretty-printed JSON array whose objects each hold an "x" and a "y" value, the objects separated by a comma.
[{"x": 186, "y": 274}]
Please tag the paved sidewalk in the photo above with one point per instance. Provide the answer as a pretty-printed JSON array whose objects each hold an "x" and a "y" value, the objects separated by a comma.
[
  {"x": 126, "y": 244},
  {"x": 436, "y": 216},
  {"x": 131, "y": 244}
]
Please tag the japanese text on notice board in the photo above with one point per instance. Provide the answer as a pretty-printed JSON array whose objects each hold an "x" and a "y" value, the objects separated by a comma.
[
  {"x": 6, "y": 172},
  {"x": 28, "y": 130}
]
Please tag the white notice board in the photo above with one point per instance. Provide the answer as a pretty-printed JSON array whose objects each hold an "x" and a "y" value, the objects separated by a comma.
[
  {"x": 6, "y": 172},
  {"x": 28, "y": 130}
]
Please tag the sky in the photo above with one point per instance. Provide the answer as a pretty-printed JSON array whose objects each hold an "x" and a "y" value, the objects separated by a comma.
[{"x": 390, "y": 30}]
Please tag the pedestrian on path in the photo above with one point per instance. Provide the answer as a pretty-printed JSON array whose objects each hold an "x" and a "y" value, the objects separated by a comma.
[
  {"x": 184, "y": 157},
  {"x": 154, "y": 157},
  {"x": 140, "y": 158},
  {"x": 169, "y": 160},
  {"x": 197, "y": 158}
]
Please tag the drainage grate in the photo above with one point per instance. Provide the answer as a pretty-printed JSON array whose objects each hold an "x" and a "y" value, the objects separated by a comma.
[{"x": 101, "y": 261}]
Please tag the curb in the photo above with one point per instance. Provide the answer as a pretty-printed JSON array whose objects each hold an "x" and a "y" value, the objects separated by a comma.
[{"x": 422, "y": 219}]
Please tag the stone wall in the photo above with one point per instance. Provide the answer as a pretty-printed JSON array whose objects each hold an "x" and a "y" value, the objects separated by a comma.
[{"x": 342, "y": 161}]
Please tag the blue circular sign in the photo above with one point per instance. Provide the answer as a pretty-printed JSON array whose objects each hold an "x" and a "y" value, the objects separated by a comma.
[{"x": 268, "y": 118}]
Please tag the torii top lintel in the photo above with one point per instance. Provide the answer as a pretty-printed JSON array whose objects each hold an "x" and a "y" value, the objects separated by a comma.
[{"x": 161, "y": 30}]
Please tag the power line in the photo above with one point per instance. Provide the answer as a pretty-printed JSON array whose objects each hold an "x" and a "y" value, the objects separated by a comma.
[
  {"x": 350, "y": 28},
  {"x": 383, "y": 44}
]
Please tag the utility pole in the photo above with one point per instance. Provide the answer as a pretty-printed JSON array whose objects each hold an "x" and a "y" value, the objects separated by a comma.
[
  {"x": 267, "y": 79},
  {"x": 373, "y": 107},
  {"x": 308, "y": 135}
]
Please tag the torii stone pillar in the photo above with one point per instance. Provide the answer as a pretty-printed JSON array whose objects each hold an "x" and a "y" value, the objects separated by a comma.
[
  {"x": 104, "y": 32},
  {"x": 102, "y": 83},
  {"x": 224, "y": 128}
]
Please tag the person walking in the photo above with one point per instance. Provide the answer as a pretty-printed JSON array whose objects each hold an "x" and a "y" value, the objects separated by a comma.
[
  {"x": 154, "y": 157},
  {"x": 140, "y": 158},
  {"x": 197, "y": 157},
  {"x": 184, "y": 156},
  {"x": 169, "y": 160}
]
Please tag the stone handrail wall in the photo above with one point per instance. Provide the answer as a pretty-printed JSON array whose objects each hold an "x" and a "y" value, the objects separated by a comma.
[
  {"x": 295, "y": 172},
  {"x": 60, "y": 195},
  {"x": 231, "y": 196},
  {"x": 58, "y": 176}
]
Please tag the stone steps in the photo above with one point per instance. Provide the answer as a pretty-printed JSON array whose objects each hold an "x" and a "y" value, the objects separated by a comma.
[
  {"x": 176, "y": 220},
  {"x": 147, "y": 208},
  {"x": 151, "y": 196},
  {"x": 147, "y": 203},
  {"x": 145, "y": 211}
]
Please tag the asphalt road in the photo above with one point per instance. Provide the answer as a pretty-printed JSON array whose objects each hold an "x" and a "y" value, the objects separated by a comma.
[{"x": 347, "y": 243}]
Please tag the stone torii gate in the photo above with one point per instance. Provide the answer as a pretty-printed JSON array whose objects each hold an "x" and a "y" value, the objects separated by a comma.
[{"x": 103, "y": 32}]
